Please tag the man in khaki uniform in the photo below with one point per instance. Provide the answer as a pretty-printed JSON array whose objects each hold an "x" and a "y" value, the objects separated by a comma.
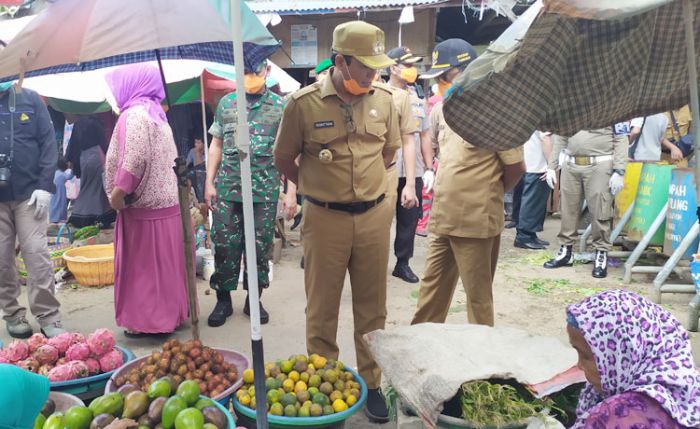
[
  {"x": 346, "y": 131},
  {"x": 466, "y": 219},
  {"x": 593, "y": 166},
  {"x": 407, "y": 127}
]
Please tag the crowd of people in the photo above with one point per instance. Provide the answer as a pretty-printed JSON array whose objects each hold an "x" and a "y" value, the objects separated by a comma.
[{"x": 358, "y": 152}]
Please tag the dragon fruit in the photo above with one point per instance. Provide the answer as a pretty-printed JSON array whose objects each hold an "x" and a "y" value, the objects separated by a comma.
[
  {"x": 46, "y": 354},
  {"x": 78, "y": 351},
  {"x": 62, "y": 342},
  {"x": 69, "y": 371},
  {"x": 17, "y": 351},
  {"x": 101, "y": 342},
  {"x": 93, "y": 366},
  {"x": 3, "y": 357},
  {"x": 111, "y": 360},
  {"x": 45, "y": 369},
  {"x": 35, "y": 341},
  {"x": 78, "y": 338},
  {"x": 29, "y": 364},
  {"x": 61, "y": 373}
]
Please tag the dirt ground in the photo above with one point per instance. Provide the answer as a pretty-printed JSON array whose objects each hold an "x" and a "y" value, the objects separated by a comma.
[{"x": 526, "y": 296}]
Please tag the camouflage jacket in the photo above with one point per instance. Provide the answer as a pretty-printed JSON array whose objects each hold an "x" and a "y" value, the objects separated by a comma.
[{"x": 264, "y": 115}]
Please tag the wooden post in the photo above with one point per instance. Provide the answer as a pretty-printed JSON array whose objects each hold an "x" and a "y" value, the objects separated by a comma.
[{"x": 183, "y": 193}]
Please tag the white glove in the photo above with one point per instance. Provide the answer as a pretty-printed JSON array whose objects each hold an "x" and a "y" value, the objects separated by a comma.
[
  {"x": 551, "y": 178},
  {"x": 615, "y": 183},
  {"x": 428, "y": 180},
  {"x": 41, "y": 199}
]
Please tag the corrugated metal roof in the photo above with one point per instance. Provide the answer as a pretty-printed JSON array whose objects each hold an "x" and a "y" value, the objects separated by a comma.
[{"x": 329, "y": 6}]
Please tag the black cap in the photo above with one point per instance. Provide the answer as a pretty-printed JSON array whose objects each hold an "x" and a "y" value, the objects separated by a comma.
[
  {"x": 450, "y": 53},
  {"x": 403, "y": 55}
]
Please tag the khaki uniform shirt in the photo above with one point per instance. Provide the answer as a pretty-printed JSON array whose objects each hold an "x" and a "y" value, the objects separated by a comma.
[
  {"x": 469, "y": 190},
  {"x": 422, "y": 124},
  {"x": 683, "y": 118},
  {"x": 357, "y": 135},
  {"x": 591, "y": 143}
]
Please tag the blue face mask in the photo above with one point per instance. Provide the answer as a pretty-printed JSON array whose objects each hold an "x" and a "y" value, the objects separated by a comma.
[{"x": 4, "y": 86}]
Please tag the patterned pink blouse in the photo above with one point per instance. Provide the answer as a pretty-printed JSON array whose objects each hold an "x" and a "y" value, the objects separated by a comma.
[{"x": 143, "y": 165}]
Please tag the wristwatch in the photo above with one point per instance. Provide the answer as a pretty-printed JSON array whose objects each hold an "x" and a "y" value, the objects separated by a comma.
[{"x": 619, "y": 171}]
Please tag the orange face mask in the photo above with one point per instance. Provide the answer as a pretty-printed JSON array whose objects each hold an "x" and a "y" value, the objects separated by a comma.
[
  {"x": 352, "y": 86},
  {"x": 254, "y": 84},
  {"x": 443, "y": 87},
  {"x": 409, "y": 75}
]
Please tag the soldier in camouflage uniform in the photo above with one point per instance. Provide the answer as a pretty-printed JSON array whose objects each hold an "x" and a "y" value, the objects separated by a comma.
[{"x": 223, "y": 190}]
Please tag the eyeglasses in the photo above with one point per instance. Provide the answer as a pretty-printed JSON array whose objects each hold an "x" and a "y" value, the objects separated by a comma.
[{"x": 347, "y": 116}]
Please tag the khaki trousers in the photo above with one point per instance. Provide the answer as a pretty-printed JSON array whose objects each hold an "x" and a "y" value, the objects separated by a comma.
[
  {"x": 17, "y": 222},
  {"x": 449, "y": 259},
  {"x": 592, "y": 183},
  {"x": 336, "y": 242}
]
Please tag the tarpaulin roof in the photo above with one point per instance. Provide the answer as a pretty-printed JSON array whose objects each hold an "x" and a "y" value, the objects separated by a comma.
[
  {"x": 571, "y": 74},
  {"x": 331, "y": 6}
]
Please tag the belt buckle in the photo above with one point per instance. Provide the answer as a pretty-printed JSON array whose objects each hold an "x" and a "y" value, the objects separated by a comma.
[{"x": 582, "y": 160}]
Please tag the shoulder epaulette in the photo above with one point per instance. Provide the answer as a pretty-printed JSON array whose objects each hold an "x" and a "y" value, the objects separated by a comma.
[{"x": 306, "y": 90}]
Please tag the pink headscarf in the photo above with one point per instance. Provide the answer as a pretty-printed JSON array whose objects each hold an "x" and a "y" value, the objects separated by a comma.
[{"x": 138, "y": 85}]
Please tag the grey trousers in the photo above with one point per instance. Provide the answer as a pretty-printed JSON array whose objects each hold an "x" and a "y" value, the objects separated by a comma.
[
  {"x": 592, "y": 183},
  {"x": 17, "y": 223}
]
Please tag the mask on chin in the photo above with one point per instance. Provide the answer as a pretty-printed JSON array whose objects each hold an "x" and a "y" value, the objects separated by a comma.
[{"x": 352, "y": 86}]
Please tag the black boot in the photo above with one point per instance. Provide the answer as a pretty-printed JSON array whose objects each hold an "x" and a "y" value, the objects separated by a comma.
[
  {"x": 222, "y": 310},
  {"x": 264, "y": 316},
  {"x": 600, "y": 271},
  {"x": 564, "y": 258},
  {"x": 375, "y": 408},
  {"x": 404, "y": 272}
]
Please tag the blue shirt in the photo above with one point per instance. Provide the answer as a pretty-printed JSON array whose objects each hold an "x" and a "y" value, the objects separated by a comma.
[{"x": 59, "y": 203}]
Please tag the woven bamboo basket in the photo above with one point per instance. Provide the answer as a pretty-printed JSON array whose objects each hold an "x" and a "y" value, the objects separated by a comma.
[{"x": 92, "y": 265}]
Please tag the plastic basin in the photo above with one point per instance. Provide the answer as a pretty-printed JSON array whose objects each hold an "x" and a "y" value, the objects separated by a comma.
[
  {"x": 231, "y": 356},
  {"x": 90, "y": 387},
  {"x": 246, "y": 416},
  {"x": 64, "y": 401}
]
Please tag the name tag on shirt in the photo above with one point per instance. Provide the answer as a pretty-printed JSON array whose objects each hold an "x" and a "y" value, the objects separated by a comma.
[{"x": 324, "y": 124}]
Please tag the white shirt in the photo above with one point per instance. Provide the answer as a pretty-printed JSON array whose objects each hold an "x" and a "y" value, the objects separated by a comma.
[
  {"x": 535, "y": 161},
  {"x": 649, "y": 145}
]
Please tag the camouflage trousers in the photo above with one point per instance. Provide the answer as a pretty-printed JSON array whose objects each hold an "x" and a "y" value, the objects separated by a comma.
[{"x": 229, "y": 243}]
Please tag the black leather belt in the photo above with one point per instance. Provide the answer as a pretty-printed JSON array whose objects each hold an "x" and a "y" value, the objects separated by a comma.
[{"x": 353, "y": 208}]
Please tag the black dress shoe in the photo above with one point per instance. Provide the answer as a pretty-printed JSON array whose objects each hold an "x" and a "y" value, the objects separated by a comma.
[
  {"x": 542, "y": 242},
  {"x": 600, "y": 270},
  {"x": 511, "y": 225},
  {"x": 264, "y": 315},
  {"x": 222, "y": 310},
  {"x": 530, "y": 245},
  {"x": 405, "y": 273},
  {"x": 375, "y": 408},
  {"x": 564, "y": 258}
]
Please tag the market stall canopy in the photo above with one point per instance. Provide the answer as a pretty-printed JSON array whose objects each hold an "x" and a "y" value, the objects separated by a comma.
[
  {"x": 79, "y": 35},
  {"x": 86, "y": 92},
  {"x": 570, "y": 73}
]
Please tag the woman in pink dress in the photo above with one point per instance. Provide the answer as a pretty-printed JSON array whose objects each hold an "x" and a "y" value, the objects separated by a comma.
[{"x": 150, "y": 295}]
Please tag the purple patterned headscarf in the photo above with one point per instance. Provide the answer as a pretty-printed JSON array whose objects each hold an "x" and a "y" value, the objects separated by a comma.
[
  {"x": 638, "y": 347},
  {"x": 138, "y": 85}
]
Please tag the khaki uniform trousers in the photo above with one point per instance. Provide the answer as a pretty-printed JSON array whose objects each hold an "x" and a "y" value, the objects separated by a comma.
[
  {"x": 392, "y": 183},
  {"x": 449, "y": 259},
  {"x": 336, "y": 242},
  {"x": 17, "y": 222},
  {"x": 592, "y": 183}
]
